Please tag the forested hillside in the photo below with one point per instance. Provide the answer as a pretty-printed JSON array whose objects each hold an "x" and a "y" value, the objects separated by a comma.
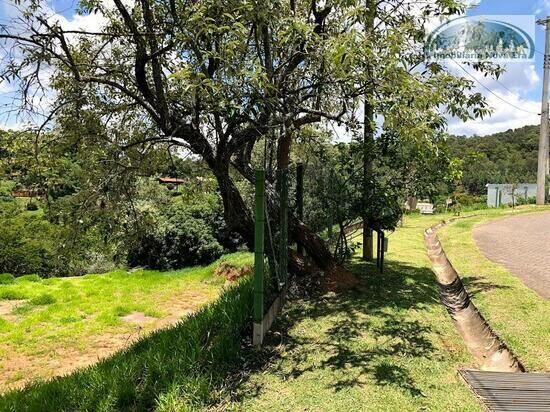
[{"x": 507, "y": 157}]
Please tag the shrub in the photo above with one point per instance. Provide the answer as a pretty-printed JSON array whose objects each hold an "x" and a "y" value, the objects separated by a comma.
[
  {"x": 32, "y": 206},
  {"x": 466, "y": 199},
  {"x": 31, "y": 244},
  {"x": 186, "y": 241},
  {"x": 189, "y": 234},
  {"x": 6, "y": 187},
  {"x": 29, "y": 278},
  {"x": 520, "y": 200},
  {"x": 12, "y": 294},
  {"x": 6, "y": 278},
  {"x": 42, "y": 300}
]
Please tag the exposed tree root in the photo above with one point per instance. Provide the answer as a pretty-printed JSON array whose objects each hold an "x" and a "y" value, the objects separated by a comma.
[{"x": 486, "y": 346}]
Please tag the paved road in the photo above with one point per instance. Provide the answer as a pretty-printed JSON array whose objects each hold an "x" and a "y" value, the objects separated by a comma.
[{"x": 521, "y": 244}]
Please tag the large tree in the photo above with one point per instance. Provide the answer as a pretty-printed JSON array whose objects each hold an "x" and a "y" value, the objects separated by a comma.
[{"x": 215, "y": 77}]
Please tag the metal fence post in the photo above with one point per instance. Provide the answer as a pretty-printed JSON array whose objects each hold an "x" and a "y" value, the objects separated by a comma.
[
  {"x": 382, "y": 251},
  {"x": 300, "y": 199},
  {"x": 378, "y": 250},
  {"x": 259, "y": 239},
  {"x": 283, "y": 232}
]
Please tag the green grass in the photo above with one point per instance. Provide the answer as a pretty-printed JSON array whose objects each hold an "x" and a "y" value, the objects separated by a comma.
[
  {"x": 174, "y": 369},
  {"x": 390, "y": 345},
  {"x": 65, "y": 314},
  {"x": 517, "y": 313},
  {"x": 387, "y": 346}
]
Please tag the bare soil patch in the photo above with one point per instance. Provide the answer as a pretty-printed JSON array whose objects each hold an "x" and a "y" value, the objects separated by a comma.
[
  {"x": 138, "y": 318},
  {"x": 17, "y": 369},
  {"x": 233, "y": 273},
  {"x": 7, "y": 307}
]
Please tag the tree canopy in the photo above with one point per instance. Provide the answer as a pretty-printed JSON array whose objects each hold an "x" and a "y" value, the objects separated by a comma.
[{"x": 217, "y": 77}]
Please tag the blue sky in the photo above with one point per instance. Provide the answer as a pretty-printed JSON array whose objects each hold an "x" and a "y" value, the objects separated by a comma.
[{"x": 520, "y": 87}]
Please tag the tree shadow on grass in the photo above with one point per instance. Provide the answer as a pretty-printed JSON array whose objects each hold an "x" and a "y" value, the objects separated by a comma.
[
  {"x": 476, "y": 285},
  {"x": 367, "y": 334}
]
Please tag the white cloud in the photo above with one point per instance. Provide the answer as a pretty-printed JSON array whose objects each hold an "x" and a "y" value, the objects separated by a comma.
[
  {"x": 506, "y": 116},
  {"x": 44, "y": 100},
  {"x": 542, "y": 7},
  {"x": 512, "y": 108}
]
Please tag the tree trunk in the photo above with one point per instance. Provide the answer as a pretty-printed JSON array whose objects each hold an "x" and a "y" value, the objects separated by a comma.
[
  {"x": 236, "y": 213},
  {"x": 239, "y": 218},
  {"x": 481, "y": 340}
]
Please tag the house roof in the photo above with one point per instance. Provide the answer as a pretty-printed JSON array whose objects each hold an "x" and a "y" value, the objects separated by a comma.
[{"x": 171, "y": 180}]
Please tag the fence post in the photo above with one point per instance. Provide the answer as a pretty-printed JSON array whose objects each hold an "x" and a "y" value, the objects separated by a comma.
[
  {"x": 259, "y": 239},
  {"x": 330, "y": 220},
  {"x": 382, "y": 251},
  {"x": 283, "y": 232},
  {"x": 300, "y": 199},
  {"x": 378, "y": 250}
]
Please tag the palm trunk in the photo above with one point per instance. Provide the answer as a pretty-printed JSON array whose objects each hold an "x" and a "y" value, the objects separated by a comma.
[{"x": 488, "y": 349}]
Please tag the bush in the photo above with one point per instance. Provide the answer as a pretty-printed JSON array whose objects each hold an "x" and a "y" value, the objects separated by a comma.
[
  {"x": 6, "y": 278},
  {"x": 185, "y": 241},
  {"x": 12, "y": 294},
  {"x": 29, "y": 278},
  {"x": 466, "y": 199},
  {"x": 6, "y": 187},
  {"x": 43, "y": 300},
  {"x": 30, "y": 244},
  {"x": 32, "y": 206},
  {"x": 188, "y": 234},
  {"x": 520, "y": 200}
]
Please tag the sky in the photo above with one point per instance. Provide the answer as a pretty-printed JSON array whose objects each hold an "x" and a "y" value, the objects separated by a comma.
[
  {"x": 514, "y": 98},
  {"x": 520, "y": 87}
]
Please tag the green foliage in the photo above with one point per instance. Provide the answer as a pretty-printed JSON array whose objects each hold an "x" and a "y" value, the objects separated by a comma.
[
  {"x": 41, "y": 300},
  {"x": 29, "y": 243},
  {"x": 28, "y": 278},
  {"x": 529, "y": 201},
  {"x": 32, "y": 206},
  {"x": 507, "y": 157},
  {"x": 12, "y": 294},
  {"x": 6, "y": 278},
  {"x": 466, "y": 199},
  {"x": 6, "y": 187},
  {"x": 185, "y": 235},
  {"x": 177, "y": 367}
]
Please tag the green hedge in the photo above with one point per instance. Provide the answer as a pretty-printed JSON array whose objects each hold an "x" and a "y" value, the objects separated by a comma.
[{"x": 174, "y": 369}]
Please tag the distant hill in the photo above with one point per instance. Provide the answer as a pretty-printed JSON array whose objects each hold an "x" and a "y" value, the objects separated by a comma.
[{"x": 507, "y": 157}]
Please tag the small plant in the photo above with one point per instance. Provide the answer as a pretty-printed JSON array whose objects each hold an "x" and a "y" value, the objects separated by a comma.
[
  {"x": 11, "y": 294},
  {"x": 6, "y": 278},
  {"x": 32, "y": 206},
  {"x": 43, "y": 300},
  {"x": 29, "y": 278}
]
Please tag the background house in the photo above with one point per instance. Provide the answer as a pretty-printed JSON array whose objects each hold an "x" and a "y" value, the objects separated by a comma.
[{"x": 503, "y": 194}]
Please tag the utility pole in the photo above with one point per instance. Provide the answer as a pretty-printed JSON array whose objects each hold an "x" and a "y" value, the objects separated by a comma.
[{"x": 543, "y": 142}]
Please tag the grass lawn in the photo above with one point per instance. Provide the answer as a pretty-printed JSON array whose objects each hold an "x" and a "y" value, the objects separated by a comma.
[
  {"x": 517, "y": 313},
  {"x": 387, "y": 346},
  {"x": 390, "y": 346},
  {"x": 52, "y": 326}
]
